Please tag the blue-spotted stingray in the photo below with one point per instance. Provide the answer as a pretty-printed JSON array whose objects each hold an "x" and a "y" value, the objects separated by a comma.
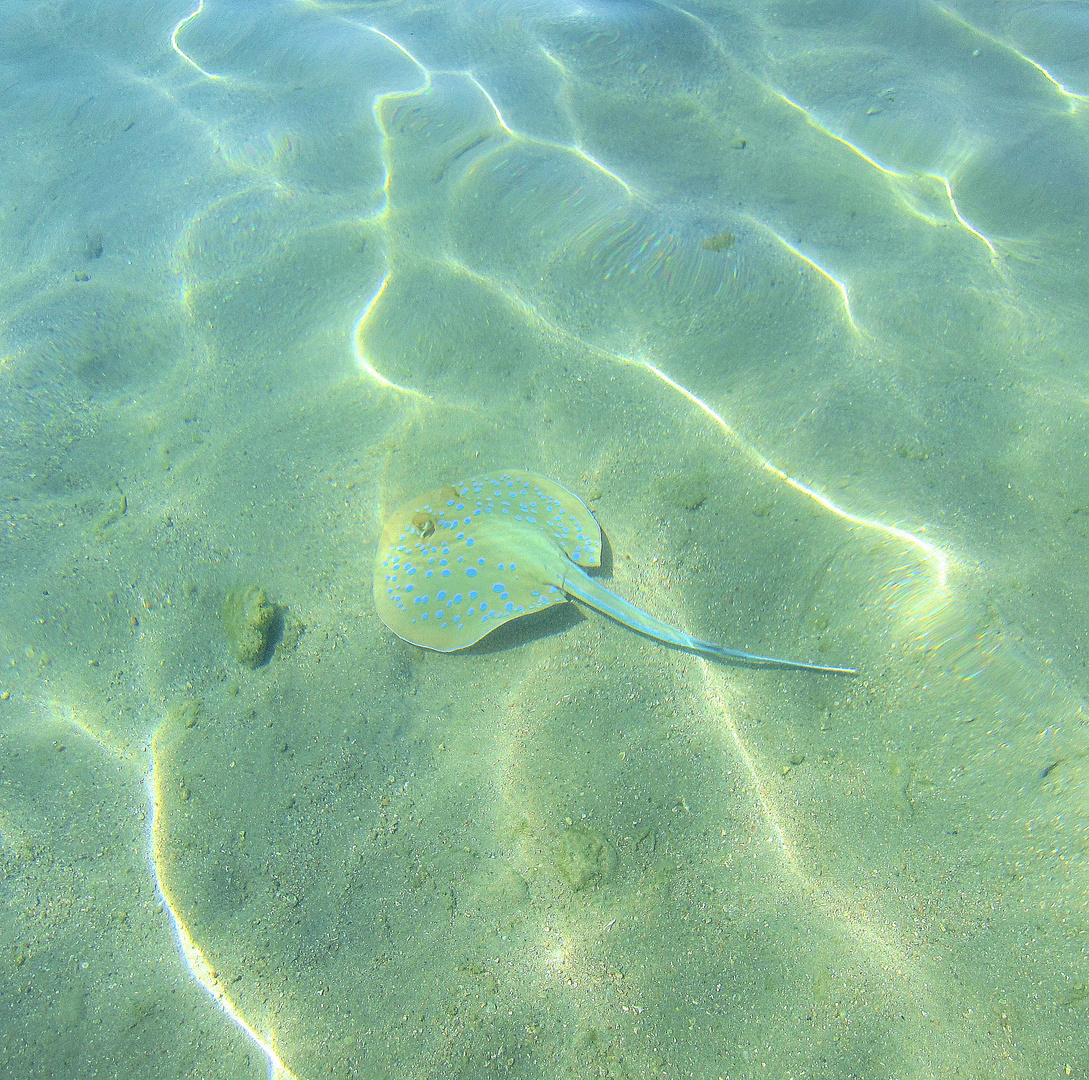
[{"x": 456, "y": 563}]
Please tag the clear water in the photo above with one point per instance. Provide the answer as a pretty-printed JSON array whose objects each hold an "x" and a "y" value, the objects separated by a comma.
[{"x": 792, "y": 294}]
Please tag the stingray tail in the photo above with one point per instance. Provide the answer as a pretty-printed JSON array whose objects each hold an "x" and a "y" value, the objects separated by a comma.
[{"x": 583, "y": 587}]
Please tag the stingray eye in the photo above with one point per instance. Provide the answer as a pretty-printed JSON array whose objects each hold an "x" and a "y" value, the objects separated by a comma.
[{"x": 423, "y": 523}]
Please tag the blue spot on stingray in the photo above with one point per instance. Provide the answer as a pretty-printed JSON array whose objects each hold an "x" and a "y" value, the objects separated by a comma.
[
  {"x": 441, "y": 594},
  {"x": 509, "y": 606},
  {"x": 472, "y": 595},
  {"x": 409, "y": 588},
  {"x": 470, "y": 542},
  {"x": 471, "y": 572},
  {"x": 480, "y": 562},
  {"x": 457, "y": 598},
  {"x": 498, "y": 587},
  {"x": 430, "y": 573},
  {"x": 445, "y": 573},
  {"x": 483, "y": 605}
]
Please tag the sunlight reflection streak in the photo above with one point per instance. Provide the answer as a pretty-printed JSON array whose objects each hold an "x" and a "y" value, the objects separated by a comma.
[
  {"x": 180, "y": 51},
  {"x": 195, "y": 960}
]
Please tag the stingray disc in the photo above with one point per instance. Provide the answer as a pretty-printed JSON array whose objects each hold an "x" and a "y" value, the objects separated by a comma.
[{"x": 455, "y": 563}]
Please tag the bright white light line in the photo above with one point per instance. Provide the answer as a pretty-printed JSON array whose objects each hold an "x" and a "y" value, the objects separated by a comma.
[
  {"x": 893, "y": 173},
  {"x": 180, "y": 51},
  {"x": 357, "y": 345},
  {"x": 398, "y": 45},
  {"x": 931, "y": 551},
  {"x": 577, "y": 149},
  {"x": 957, "y": 214},
  {"x": 999, "y": 43},
  {"x": 840, "y": 287},
  {"x": 195, "y": 960}
]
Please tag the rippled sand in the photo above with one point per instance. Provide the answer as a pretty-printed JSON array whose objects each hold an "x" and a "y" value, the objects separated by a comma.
[{"x": 791, "y": 294}]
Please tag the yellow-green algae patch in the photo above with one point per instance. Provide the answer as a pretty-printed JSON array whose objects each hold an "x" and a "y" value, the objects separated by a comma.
[
  {"x": 115, "y": 506},
  {"x": 251, "y": 622},
  {"x": 582, "y": 858}
]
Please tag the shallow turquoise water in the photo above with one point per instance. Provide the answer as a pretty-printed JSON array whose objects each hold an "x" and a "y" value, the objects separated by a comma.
[{"x": 792, "y": 295}]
